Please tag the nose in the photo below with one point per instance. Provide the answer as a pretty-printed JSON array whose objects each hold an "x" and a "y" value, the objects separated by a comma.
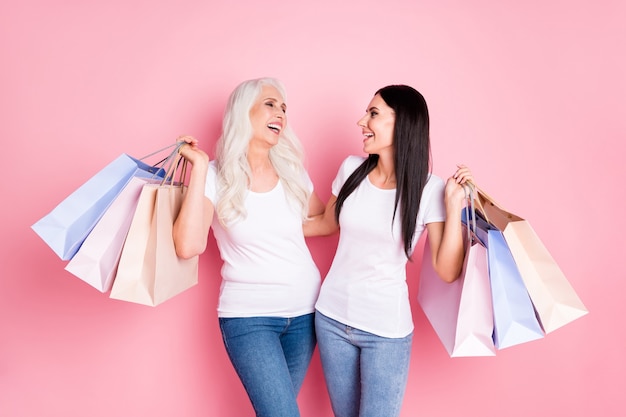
[{"x": 362, "y": 122}]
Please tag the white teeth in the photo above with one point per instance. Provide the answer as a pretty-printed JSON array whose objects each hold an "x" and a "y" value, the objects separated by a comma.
[
  {"x": 368, "y": 135},
  {"x": 274, "y": 127}
]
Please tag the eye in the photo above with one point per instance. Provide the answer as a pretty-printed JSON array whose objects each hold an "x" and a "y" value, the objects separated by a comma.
[
  {"x": 373, "y": 113},
  {"x": 269, "y": 103}
]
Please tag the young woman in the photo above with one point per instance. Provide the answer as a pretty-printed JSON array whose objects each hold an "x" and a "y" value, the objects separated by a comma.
[
  {"x": 255, "y": 196},
  {"x": 382, "y": 204}
]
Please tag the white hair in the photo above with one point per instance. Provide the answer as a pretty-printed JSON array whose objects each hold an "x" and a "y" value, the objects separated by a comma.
[{"x": 233, "y": 170}]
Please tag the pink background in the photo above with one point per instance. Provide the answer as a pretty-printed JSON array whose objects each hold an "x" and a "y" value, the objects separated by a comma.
[{"x": 529, "y": 94}]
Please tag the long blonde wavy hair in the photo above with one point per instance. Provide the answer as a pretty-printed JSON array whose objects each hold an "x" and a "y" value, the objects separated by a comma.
[{"x": 233, "y": 170}]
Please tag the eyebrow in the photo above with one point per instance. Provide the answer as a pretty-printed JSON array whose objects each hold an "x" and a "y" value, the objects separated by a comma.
[
  {"x": 372, "y": 108},
  {"x": 283, "y": 105}
]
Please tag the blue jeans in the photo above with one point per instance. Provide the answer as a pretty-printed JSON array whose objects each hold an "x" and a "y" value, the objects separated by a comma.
[
  {"x": 365, "y": 374},
  {"x": 271, "y": 356}
]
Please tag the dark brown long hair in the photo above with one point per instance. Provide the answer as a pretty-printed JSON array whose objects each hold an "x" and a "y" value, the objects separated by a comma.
[{"x": 411, "y": 140}]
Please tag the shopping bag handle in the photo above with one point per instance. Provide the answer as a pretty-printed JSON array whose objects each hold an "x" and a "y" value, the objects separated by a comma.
[
  {"x": 167, "y": 163},
  {"x": 161, "y": 166},
  {"x": 174, "y": 166},
  {"x": 159, "y": 151},
  {"x": 477, "y": 201},
  {"x": 470, "y": 209}
]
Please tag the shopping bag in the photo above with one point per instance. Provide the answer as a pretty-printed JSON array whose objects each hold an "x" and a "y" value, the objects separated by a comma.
[
  {"x": 149, "y": 271},
  {"x": 460, "y": 312},
  {"x": 514, "y": 316},
  {"x": 97, "y": 258},
  {"x": 553, "y": 297},
  {"x": 65, "y": 228}
]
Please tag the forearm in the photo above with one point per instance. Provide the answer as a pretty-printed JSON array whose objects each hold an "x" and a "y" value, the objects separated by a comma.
[
  {"x": 450, "y": 253},
  {"x": 318, "y": 226},
  {"x": 323, "y": 224},
  {"x": 191, "y": 227}
]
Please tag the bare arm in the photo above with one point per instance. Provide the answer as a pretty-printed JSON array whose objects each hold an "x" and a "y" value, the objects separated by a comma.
[
  {"x": 446, "y": 238},
  {"x": 323, "y": 224},
  {"x": 191, "y": 227}
]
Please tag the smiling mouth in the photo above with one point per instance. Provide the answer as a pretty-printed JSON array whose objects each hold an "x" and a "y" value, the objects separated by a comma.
[
  {"x": 274, "y": 127},
  {"x": 368, "y": 135}
]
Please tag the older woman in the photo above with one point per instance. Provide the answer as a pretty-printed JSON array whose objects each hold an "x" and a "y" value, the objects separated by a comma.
[{"x": 255, "y": 196}]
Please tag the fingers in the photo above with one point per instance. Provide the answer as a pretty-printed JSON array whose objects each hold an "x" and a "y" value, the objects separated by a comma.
[
  {"x": 467, "y": 188},
  {"x": 190, "y": 150},
  {"x": 189, "y": 139},
  {"x": 190, "y": 143},
  {"x": 455, "y": 194},
  {"x": 463, "y": 175}
]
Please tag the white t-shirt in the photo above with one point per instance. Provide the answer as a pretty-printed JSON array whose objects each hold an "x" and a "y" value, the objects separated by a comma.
[
  {"x": 268, "y": 269},
  {"x": 366, "y": 285}
]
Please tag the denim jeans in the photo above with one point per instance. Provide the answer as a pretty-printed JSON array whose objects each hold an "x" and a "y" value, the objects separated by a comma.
[
  {"x": 271, "y": 356},
  {"x": 365, "y": 374}
]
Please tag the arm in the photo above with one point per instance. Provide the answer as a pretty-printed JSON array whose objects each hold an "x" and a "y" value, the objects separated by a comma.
[
  {"x": 191, "y": 227},
  {"x": 323, "y": 224},
  {"x": 446, "y": 238},
  {"x": 316, "y": 206}
]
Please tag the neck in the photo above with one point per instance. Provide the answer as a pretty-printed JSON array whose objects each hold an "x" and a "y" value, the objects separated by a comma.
[
  {"x": 384, "y": 175},
  {"x": 263, "y": 176},
  {"x": 259, "y": 159}
]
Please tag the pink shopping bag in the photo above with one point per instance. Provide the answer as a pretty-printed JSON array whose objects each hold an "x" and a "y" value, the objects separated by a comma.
[
  {"x": 97, "y": 258},
  {"x": 460, "y": 312}
]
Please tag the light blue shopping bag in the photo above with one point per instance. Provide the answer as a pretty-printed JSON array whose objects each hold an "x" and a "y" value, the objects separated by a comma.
[
  {"x": 514, "y": 316},
  {"x": 66, "y": 227}
]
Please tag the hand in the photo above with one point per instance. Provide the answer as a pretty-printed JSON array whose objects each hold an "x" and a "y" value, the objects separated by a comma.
[
  {"x": 191, "y": 152},
  {"x": 463, "y": 175},
  {"x": 458, "y": 186}
]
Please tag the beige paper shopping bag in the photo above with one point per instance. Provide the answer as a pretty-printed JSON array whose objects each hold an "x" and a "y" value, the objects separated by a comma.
[
  {"x": 554, "y": 298},
  {"x": 149, "y": 271}
]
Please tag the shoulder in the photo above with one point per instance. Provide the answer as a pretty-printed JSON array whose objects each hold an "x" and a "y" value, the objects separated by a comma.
[
  {"x": 351, "y": 163},
  {"x": 210, "y": 187},
  {"x": 434, "y": 190},
  {"x": 435, "y": 182},
  {"x": 347, "y": 167},
  {"x": 306, "y": 178},
  {"x": 211, "y": 175}
]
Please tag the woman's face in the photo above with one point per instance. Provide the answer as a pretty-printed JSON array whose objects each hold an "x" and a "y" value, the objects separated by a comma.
[
  {"x": 268, "y": 117},
  {"x": 377, "y": 125}
]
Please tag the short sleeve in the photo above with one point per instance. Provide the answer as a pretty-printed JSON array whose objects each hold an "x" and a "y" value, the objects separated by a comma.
[
  {"x": 210, "y": 187},
  {"x": 432, "y": 206},
  {"x": 348, "y": 166},
  {"x": 309, "y": 184}
]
